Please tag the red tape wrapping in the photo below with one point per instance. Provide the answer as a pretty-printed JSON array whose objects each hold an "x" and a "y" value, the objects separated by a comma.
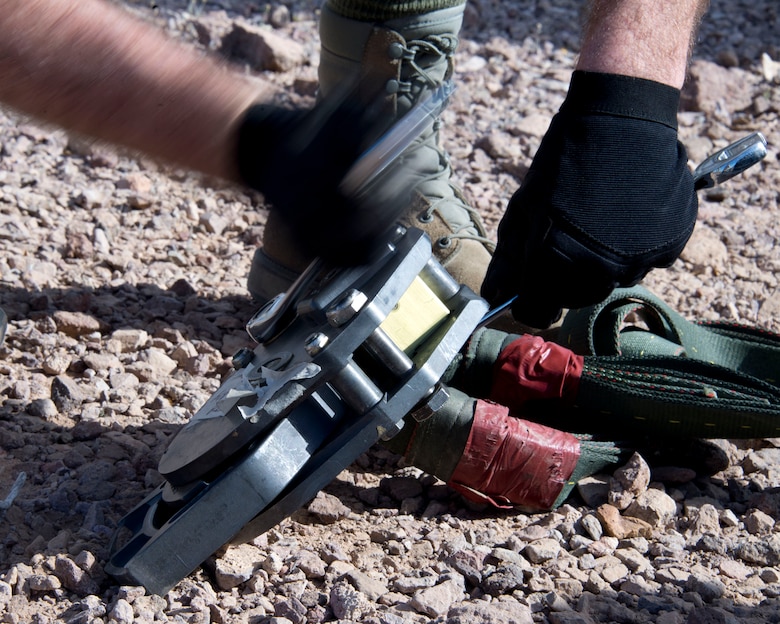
[
  {"x": 530, "y": 368},
  {"x": 511, "y": 462}
]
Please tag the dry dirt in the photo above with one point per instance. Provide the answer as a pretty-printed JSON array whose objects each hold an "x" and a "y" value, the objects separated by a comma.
[{"x": 124, "y": 280}]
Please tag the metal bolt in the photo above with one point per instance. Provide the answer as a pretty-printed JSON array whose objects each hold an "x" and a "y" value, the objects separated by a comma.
[
  {"x": 389, "y": 432},
  {"x": 243, "y": 357},
  {"x": 346, "y": 308},
  {"x": 315, "y": 343},
  {"x": 436, "y": 400}
]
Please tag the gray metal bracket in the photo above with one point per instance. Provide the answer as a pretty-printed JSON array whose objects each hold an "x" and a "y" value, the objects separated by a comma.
[{"x": 326, "y": 382}]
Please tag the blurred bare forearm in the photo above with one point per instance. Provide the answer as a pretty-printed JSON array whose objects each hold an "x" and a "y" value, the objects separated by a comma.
[
  {"x": 91, "y": 67},
  {"x": 643, "y": 38}
]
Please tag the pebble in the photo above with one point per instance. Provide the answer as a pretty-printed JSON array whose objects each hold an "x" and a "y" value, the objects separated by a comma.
[
  {"x": 124, "y": 284},
  {"x": 436, "y": 601}
]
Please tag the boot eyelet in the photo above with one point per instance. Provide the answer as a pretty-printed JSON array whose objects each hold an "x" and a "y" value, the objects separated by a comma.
[
  {"x": 395, "y": 50},
  {"x": 425, "y": 217},
  {"x": 392, "y": 87},
  {"x": 444, "y": 242}
]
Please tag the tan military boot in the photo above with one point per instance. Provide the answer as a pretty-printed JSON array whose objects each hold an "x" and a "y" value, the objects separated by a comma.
[{"x": 406, "y": 54}]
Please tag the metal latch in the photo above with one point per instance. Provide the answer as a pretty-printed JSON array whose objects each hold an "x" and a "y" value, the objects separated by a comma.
[{"x": 339, "y": 366}]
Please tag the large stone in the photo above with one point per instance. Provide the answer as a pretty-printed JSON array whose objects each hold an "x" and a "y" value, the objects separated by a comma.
[{"x": 262, "y": 49}]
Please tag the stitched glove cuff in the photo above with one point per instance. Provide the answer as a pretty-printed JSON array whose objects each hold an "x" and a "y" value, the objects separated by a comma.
[{"x": 622, "y": 96}]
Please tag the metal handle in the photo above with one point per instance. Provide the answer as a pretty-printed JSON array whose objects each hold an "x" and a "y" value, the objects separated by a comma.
[
  {"x": 730, "y": 161},
  {"x": 395, "y": 141}
]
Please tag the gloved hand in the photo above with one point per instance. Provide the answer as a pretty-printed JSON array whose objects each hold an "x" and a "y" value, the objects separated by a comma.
[
  {"x": 608, "y": 197},
  {"x": 297, "y": 160}
]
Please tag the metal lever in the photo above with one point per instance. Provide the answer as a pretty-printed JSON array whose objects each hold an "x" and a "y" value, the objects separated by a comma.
[
  {"x": 396, "y": 140},
  {"x": 278, "y": 312},
  {"x": 730, "y": 161}
]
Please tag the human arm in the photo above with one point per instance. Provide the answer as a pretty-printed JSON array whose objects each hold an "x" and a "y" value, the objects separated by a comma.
[
  {"x": 91, "y": 67},
  {"x": 608, "y": 195},
  {"x": 651, "y": 40}
]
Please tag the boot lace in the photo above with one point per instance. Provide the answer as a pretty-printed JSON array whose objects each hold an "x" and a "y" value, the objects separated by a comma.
[
  {"x": 434, "y": 50},
  {"x": 473, "y": 229}
]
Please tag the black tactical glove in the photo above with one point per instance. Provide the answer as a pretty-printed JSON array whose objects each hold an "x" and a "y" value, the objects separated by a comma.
[
  {"x": 297, "y": 160},
  {"x": 608, "y": 197}
]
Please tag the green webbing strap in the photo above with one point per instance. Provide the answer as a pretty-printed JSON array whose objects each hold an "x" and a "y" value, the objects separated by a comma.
[
  {"x": 673, "y": 377},
  {"x": 604, "y": 330}
]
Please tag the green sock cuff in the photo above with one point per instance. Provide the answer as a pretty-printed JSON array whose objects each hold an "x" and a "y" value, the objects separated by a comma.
[{"x": 382, "y": 10}]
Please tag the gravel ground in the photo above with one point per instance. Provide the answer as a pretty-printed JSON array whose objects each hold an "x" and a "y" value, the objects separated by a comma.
[{"x": 124, "y": 284}]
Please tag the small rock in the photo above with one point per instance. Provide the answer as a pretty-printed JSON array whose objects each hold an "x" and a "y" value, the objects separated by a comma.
[
  {"x": 709, "y": 588},
  {"x": 594, "y": 490},
  {"x": 74, "y": 578},
  {"x": 43, "y": 408},
  {"x": 622, "y": 527},
  {"x": 310, "y": 563},
  {"x": 65, "y": 393},
  {"x": 127, "y": 340},
  {"x": 634, "y": 476},
  {"x": 122, "y": 612},
  {"x": 504, "y": 580},
  {"x": 56, "y": 363},
  {"x": 161, "y": 365},
  {"x": 372, "y": 588},
  {"x": 495, "y": 612},
  {"x": 262, "y": 49},
  {"x": 43, "y": 582},
  {"x": 770, "y": 69},
  {"x": 592, "y": 526},
  {"x": 401, "y": 488},
  {"x": 347, "y": 603},
  {"x": 757, "y": 522},
  {"x": 100, "y": 362},
  {"x": 214, "y": 223},
  {"x": 327, "y": 508},
  {"x": 706, "y": 521},
  {"x": 436, "y": 601},
  {"x": 76, "y": 324},
  {"x": 654, "y": 507},
  {"x": 236, "y": 565},
  {"x": 542, "y": 550}
]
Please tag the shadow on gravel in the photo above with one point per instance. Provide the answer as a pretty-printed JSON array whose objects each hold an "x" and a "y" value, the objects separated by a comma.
[
  {"x": 81, "y": 475},
  {"x": 142, "y": 306}
]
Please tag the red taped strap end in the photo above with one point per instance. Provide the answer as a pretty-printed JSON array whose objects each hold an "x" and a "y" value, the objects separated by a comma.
[
  {"x": 530, "y": 368},
  {"x": 509, "y": 462}
]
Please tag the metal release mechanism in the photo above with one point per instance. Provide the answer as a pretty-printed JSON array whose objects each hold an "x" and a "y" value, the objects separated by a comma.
[{"x": 339, "y": 365}]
